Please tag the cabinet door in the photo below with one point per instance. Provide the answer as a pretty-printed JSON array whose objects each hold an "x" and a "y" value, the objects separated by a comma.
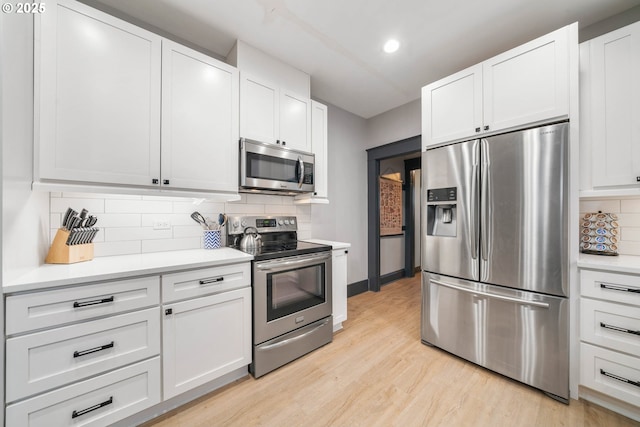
[
  {"x": 295, "y": 121},
  {"x": 452, "y": 107},
  {"x": 615, "y": 67},
  {"x": 199, "y": 121},
  {"x": 339, "y": 278},
  {"x": 319, "y": 145},
  {"x": 98, "y": 97},
  {"x": 205, "y": 338},
  {"x": 527, "y": 84},
  {"x": 258, "y": 109}
]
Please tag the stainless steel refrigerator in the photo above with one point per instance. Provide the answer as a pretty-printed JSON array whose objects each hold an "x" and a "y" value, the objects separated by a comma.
[{"x": 495, "y": 254}]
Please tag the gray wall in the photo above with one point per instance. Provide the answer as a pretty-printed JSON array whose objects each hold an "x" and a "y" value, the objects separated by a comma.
[
  {"x": 616, "y": 21},
  {"x": 395, "y": 125},
  {"x": 344, "y": 219}
]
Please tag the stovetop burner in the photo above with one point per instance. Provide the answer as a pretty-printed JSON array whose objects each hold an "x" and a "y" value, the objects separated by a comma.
[{"x": 279, "y": 237}]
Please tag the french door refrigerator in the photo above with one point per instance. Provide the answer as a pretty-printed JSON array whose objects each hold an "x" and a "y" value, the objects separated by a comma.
[{"x": 494, "y": 254}]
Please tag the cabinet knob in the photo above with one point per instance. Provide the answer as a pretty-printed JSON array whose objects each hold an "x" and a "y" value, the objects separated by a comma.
[
  {"x": 277, "y": 141},
  {"x": 155, "y": 181},
  {"x": 638, "y": 178},
  {"x": 486, "y": 127},
  {"x": 284, "y": 142},
  {"x": 165, "y": 182},
  {"x": 346, "y": 252},
  {"x": 168, "y": 311},
  {"x": 477, "y": 130}
]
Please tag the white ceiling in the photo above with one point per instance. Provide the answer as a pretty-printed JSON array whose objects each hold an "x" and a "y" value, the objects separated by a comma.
[{"x": 339, "y": 42}]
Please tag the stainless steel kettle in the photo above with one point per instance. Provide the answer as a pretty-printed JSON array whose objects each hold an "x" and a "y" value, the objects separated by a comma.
[{"x": 250, "y": 239}]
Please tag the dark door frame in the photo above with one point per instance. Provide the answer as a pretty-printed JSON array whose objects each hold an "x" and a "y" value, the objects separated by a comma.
[
  {"x": 374, "y": 155},
  {"x": 410, "y": 221}
]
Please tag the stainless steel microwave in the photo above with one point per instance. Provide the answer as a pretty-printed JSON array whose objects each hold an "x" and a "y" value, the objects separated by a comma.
[{"x": 271, "y": 168}]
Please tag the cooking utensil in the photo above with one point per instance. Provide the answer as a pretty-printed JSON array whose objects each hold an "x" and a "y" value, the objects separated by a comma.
[
  {"x": 212, "y": 225},
  {"x": 222, "y": 219},
  {"x": 197, "y": 217},
  {"x": 250, "y": 239}
]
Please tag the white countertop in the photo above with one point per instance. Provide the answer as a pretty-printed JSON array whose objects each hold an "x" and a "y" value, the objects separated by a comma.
[
  {"x": 118, "y": 267},
  {"x": 334, "y": 245},
  {"x": 620, "y": 264}
]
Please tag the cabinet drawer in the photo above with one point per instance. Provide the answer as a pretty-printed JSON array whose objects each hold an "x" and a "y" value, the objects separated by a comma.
[
  {"x": 613, "y": 287},
  {"x": 44, "y": 360},
  {"x": 615, "y": 326},
  {"x": 25, "y": 312},
  {"x": 99, "y": 401},
  {"x": 611, "y": 373},
  {"x": 206, "y": 281}
]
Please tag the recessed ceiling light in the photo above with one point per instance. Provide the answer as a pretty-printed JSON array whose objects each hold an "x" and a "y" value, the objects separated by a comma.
[{"x": 391, "y": 45}]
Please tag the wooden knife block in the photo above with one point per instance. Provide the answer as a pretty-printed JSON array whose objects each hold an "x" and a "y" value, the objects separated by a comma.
[{"x": 61, "y": 253}]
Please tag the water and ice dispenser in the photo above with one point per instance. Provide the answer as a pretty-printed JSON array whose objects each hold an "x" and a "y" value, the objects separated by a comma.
[{"x": 441, "y": 212}]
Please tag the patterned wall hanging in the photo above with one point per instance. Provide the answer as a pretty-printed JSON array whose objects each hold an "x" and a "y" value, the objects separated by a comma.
[{"x": 390, "y": 207}]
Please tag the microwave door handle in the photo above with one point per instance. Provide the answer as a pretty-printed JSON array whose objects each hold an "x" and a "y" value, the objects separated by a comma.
[{"x": 301, "y": 176}]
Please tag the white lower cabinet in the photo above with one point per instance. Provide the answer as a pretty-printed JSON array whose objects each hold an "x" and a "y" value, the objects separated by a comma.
[
  {"x": 99, "y": 401},
  {"x": 610, "y": 340},
  {"x": 339, "y": 278},
  {"x": 205, "y": 338},
  {"x": 45, "y": 360}
]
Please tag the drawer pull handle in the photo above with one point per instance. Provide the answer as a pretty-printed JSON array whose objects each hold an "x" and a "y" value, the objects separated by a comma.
[
  {"x": 619, "y": 378},
  {"x": 619, "y": 288},
  {"x": 92, "y": 302},
  {"x": 93, "y": 350},
  {"x": 619, "y": 329},
  {"x": 76, "y": 414},
  {"x": 214, "y": 280}
]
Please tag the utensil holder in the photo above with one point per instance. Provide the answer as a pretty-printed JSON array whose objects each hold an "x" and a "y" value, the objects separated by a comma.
[
  {"x": 212, "y": 239},
  {"x": 61, "y": 253}
]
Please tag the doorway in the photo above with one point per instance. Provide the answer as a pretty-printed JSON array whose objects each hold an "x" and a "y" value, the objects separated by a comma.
[{"x": 407, "y": 148}]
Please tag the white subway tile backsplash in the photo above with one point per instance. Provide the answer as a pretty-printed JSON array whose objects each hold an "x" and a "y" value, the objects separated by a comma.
[
  {"x": 630, "y": 205},
  {"x": 608, "y": 206},
  {"x": 164, "y": 245},
  {"x": 127, "y": 222},
  {"x": 116, "y": 248},
  {"x": 628, "y": 211},
  {"x": 137, "y": 206},
  {"x": 630, "y": 234},
  {"x": 118, "y": 220},
  {"x": 60, "y": 204},
  {"x": 136, "y": 233}
]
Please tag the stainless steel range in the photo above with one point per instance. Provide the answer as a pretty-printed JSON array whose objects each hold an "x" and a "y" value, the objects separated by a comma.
[{"x": 291, "y": 290}]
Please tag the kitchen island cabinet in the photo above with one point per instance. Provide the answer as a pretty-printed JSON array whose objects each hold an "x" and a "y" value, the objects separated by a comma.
[
  {"x": 610, "y": 102},
  {"x": 113, "y": 101},
  {"x": 524, "y": 85},
  {"x": 609, "y": 333}
]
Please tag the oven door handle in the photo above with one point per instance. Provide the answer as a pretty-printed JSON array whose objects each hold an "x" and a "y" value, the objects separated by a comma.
[
  {"x": 292, "y": 339},
  {"x": 272, "y": 265}
]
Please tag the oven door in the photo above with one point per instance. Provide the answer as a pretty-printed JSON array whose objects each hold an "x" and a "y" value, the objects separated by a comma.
[
  {"x": 271, "y": 167},
  {"x": 290, "y": 293}
]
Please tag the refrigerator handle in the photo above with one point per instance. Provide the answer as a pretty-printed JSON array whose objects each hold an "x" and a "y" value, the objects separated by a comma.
[
  {"x": 473, "y": 222},
  {"x": 489, "y": 295},
  {"x": 484, "y": 208}
]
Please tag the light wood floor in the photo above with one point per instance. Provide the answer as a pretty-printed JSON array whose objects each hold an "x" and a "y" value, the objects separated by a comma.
[{"x": 376, "y": 372}]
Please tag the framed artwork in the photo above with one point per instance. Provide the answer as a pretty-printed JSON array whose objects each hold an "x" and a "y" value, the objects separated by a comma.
[{"x": 390, "y": 207}]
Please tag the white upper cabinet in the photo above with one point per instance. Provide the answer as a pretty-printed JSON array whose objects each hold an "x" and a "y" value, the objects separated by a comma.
[
  {"x": 295, "y": 121},
  {"x": 274, "y": 115},
  {"x": 452, "y": 107},
  {"x": 122, "y": 107},
  {"x": 524, "y": 85},
  {"x": 259, "y": 105},
  {"x": 199, "y": 121},
  {"x": 99, "y": 98},
  {"x": 614, "y": 109},
  {"x": 527, "y": 84},
  {"x": 319, "y": 147}
]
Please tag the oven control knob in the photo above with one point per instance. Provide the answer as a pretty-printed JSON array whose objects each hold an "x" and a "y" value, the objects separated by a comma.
[
  {"x": 236, "y": 224},
  {"x": 286, "y": 222},
  {"x": 293, "y": 221},
  {"x": 280, "y": 222},
  {"x": 244, "y": 223}
]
